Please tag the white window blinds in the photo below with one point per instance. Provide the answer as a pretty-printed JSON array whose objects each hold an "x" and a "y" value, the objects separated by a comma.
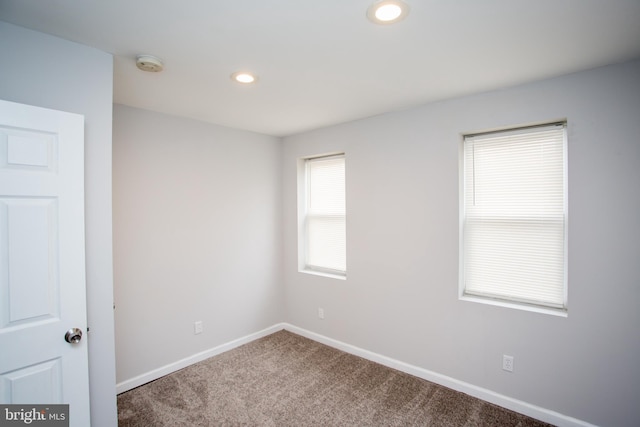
[
  {"x": 515, "y": 216},
  {"x": 325, "y": 222}
]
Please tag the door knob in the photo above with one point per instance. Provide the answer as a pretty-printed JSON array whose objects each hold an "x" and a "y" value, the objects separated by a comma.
[{"x": 73, "y": 336}]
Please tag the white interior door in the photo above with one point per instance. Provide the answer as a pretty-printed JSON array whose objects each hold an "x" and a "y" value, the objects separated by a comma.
[{"x": 42, "y": 264}]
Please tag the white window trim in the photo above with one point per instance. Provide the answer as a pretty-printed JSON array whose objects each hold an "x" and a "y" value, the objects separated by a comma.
[
  {"x": 512, "y": 304},
  {"x": 302, "y": 213}
]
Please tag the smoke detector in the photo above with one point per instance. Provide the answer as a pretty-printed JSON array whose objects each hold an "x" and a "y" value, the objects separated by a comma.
[{"x": 149, "y": 63}]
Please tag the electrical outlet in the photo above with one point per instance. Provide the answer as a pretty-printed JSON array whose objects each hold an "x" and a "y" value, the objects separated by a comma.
[
  {"x": 197, "y": 327},
  {"x": 507, "y": 363},
  {"x": 321, "y": 313}
]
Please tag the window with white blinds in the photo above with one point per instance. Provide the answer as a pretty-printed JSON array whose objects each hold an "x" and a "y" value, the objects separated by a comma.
[
  {"x": 514, "y": 216},
  {"x": 325, "y": 215}
]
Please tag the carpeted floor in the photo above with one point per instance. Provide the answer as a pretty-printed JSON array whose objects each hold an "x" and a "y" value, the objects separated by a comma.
[{"x": 288, "y": 380}]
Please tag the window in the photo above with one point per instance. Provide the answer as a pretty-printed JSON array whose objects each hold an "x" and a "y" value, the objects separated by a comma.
[
  {"x": 322, "y": 216},
  {"x": 513, "y": 216}
]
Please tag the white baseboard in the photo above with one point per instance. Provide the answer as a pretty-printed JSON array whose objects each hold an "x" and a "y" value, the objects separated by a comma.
[
  {"x": 198, "y": 357},
  {"x": 519, "y": 406}
]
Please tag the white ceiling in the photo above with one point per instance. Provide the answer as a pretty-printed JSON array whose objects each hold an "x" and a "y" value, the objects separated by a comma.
[{"x": 322, "y": 62}]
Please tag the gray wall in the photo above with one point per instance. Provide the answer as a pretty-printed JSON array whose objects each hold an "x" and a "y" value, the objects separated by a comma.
[
  {"x": 49, "y": 72},
  {"x": 400, "y": 298},
  {"x": 197, "y": 214}
]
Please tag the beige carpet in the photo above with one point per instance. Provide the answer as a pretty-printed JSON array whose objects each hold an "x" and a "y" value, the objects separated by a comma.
[{"x": 287, "y": 380}]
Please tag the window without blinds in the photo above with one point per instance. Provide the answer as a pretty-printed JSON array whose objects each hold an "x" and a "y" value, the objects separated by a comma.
[
  {"x": 514, "y": 219},
  {"x": 324, "y": 220}
]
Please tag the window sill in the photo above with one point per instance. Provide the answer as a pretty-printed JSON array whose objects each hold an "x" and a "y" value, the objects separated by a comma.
[
  {"x": 324, "y": 274},
  {"x": 517, "y": 306}
]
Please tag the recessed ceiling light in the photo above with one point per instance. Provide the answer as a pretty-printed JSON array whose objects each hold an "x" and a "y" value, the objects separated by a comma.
[
  {"x": 244, "y": 77},
  {"x": 387, "y": 11}
]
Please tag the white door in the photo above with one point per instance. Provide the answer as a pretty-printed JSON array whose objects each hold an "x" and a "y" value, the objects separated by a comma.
[{"x": 42, "y": 264}]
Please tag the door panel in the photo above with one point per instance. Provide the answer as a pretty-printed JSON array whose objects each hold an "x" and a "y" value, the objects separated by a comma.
[
  {"x": 27, "y": 230},
  {"x": 41, "y": 382}
]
